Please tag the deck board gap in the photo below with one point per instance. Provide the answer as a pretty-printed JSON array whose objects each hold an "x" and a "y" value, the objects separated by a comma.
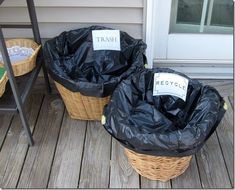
[
  {"x": 110, "y": 158},
  {"x": 96, "y": 161},
  {"x": 212, "y": 166},
  {"x": 140, "y": 185},
  {"x": 36, "y": 170},
  {"x": 230, "y": 180},
  {"x": 36, "y": 121},
  {"x": 40, "y": 107},
  {"x": 22, "y": 168},
  {"x": 225, "y": 135},
  {"x": 231, "y": 102},
  {"x": 55, "y": 148},
  {"x": 80, "y": 171},
  {"x": 8, "y": 128},
  {"x": 199, "y": 174}
]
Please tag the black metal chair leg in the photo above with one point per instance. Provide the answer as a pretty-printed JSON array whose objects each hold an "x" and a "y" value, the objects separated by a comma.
[
  {"x": 14, "y": 87},
  {"x": 37, "y": 38}
]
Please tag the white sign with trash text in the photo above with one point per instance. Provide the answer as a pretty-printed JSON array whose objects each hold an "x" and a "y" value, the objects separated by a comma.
[{"x": 106, "y": 40}]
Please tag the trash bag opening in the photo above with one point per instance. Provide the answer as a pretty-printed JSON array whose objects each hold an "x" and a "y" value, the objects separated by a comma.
[
  {"x": 173, "y": 111},
  {"x": 162, "y": 125},
  {"x": 71, "y": 56}
]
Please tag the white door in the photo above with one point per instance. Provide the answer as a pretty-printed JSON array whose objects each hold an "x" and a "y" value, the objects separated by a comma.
[{"x": 191, "y": 36}]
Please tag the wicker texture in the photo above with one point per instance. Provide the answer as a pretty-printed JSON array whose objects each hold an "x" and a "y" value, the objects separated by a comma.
[
  {"x": 158, "y": 167},
  {"x": 3, "y": 83},
  {"x": 82, "y": 107},
  {"x": 27, "y": 65}
]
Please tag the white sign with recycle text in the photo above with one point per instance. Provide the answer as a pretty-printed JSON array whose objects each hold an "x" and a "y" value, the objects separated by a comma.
[
  {"x": 170, "y": 84},
  {"x": 106, "y": 40}
]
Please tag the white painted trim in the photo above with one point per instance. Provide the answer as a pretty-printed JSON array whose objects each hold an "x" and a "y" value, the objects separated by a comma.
[
  {"x": 218, "y": 69},
  {"x": 149, "y": 31},
  {"x": 159, "y": 50},
  {"x": 144, "y": 19},
  {"x": 162, "y": 10},
  {"x": 201, "y": 62},
  {"x": 200, "y": 46},
  {"x": 157, "y": 29},
  {"x": 192, "y": 28}
]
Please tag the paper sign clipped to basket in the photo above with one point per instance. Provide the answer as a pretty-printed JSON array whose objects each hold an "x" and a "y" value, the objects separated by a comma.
[
  {"x": 170, "y": 84},
  {"x": 106, "y": 40}
]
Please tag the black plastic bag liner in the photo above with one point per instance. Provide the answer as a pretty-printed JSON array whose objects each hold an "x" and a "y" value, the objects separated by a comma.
[
  {"x": 162, "y": 125},
  {"x": 72, "y": 62}
]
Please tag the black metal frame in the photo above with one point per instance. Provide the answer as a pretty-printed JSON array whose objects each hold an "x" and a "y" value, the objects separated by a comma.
[{"x": 16, "y": 94}]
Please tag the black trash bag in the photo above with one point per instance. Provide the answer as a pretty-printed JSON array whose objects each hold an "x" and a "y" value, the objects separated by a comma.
[
  {"x": 72, "y": 62},
  {"x": 162, "y": 125}
]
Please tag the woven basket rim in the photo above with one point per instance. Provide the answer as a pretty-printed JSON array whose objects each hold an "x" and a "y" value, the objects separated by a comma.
[
  {"x": 3, "y": 83},
  {"x": 21, "y": 39},
  {"x": 4, "y": 77}
]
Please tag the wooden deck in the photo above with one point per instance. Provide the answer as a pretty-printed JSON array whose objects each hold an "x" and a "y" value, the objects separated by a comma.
[{"x": 78, "y": 154}]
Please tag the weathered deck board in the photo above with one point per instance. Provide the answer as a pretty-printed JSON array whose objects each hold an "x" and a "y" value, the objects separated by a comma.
[
  {"x": 152, "y": 184},
  {"x": 189, "y": 179},
  {"x": 225, "y": 87},
  {"x": 231, "y": 100},
  {"x": 67, "y": 162},
  {"x": 39, "y": 159},
  {"x": 15, "y": 146},
  {"x": 225, "y": 135},
  {"x": 211, "y": 165},
  {"x": 40, "y": 88},
  {"x": 96, "y": 158},
  {"x": 49, "y": 162},
  {"x": 122, "y": 175},
  {"x": 4, "y": 126}
]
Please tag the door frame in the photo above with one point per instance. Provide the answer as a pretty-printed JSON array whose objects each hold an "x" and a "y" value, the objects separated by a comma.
[{"x": 161, "y": 45}]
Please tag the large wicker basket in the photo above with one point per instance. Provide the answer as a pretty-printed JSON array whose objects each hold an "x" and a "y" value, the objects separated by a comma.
[
  {"x": 3, "y": 82},
  {"x": 27, "y": 65},
  {"x": 158, "y": 167},
  {"x": 82, "y": 107}
]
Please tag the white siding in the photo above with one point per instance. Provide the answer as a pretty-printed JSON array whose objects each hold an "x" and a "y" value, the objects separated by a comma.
[{"x": 55, "y": 16}]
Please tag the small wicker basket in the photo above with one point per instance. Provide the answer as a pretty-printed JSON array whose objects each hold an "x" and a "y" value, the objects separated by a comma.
[
  {"x": 82, "y": 107},
  {"x": 3, "y": 82},
  {"x": 158, "y": 167},
  {"x": 27, "y": 65}
]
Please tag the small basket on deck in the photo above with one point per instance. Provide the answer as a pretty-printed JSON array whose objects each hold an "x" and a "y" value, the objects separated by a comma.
[
  {"x": 3, "y": 81},
  {"x": 85, "y": 76},
  {"x": 28, "y": 63},
  {"x": 160, "y": 133}
]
